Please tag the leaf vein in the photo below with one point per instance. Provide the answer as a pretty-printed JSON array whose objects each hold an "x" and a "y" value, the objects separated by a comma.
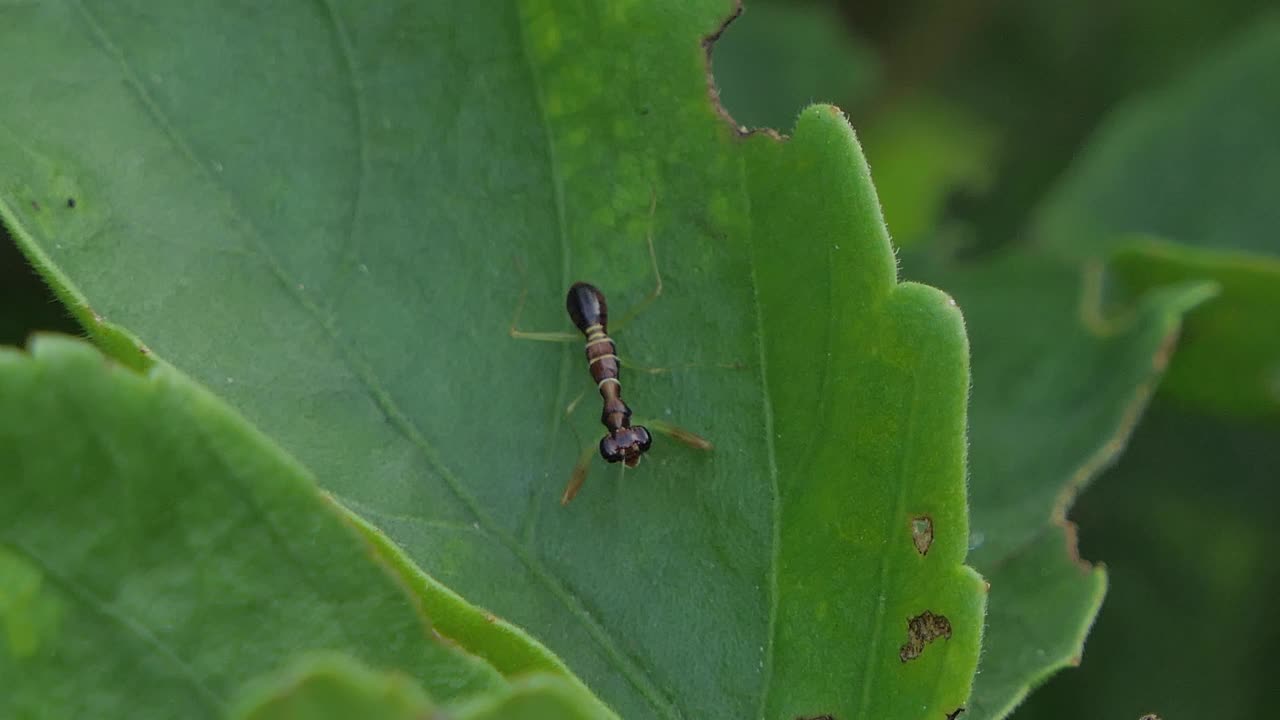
[
  {"x": 346, "y": 254},
  {"x": 766, "y": 675}
]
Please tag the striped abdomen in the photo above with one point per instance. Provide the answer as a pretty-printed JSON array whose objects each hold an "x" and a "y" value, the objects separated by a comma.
[{"x": 590, "y": 313}]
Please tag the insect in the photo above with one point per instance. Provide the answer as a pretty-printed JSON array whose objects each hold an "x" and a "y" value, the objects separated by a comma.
[
  {"x": 590, "y": 313},
  {"x": 623, "y": 442}
]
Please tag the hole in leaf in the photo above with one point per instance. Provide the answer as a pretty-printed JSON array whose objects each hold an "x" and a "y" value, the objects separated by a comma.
[{"x": 922, "y": 533}]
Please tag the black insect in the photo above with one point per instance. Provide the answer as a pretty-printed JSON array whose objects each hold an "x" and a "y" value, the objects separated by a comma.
[
  {"x": 590, "y": 313},
  {"x": 623, "y": 442}
]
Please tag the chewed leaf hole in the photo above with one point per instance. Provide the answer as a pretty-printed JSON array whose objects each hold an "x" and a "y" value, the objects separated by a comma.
[
  {"x": 922, "y": 630},
  {"x": 922, "y": 533}
]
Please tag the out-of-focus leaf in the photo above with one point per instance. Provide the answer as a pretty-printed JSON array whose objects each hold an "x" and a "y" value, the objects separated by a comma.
[
  {"x": 323, "y": 225},
  {"x": 1058, "y": 387},
  {"x": 1185, "y": 526},
  {"x": 1194, "y": 163},
  {"x": 1044, "y": 600},
  {"x": 536, "y": 697},
  {"x": 1045, "y": 74},
  {"x": 778, "y": 57},
  {"x": 924, "y": 150},
  {"x": 156, "y": 552},
  {"x": 334, "y": 687},
  {"x": 1197, "y": 164},
  {"x": 1231, "y": 358}
]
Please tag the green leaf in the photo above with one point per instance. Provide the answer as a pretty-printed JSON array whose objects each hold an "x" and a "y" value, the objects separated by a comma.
[
  {"x": 1184, "y": 525},
  {"x": 334, "y": 686},
  {"x": 1229, "y": 363},
  {"x": 866, "y": 384},
  {"x": 504, "y": 646},
  {"x": 1058, "y": 388},
  {"x": 156, "y": 551},
  {"x": 326, "y": 229},
  {"x": 535, "y": 697},
  {"x": 1044, "y": 600},
  {"x": 1196, "y": 164}
]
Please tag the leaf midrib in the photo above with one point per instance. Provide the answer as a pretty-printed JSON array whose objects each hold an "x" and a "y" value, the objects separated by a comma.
[{"x": 766, "y": 399}]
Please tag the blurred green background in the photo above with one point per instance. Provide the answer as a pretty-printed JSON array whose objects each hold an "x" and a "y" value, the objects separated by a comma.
[{"x": 1064, "y": 131}]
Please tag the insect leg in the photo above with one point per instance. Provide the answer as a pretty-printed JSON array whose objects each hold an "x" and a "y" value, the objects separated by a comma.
[
  {"x": 683, "y": 366},
  {"x": 578, "y": 476},
  {"x": 677, "y": 433}
]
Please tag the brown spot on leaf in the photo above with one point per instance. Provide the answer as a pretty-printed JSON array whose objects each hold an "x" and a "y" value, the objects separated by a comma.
[
  {"x": 816, "y": 717},
  {"x": 955, "y": 713},
  {"x": 922, "y": 630},
  {"x": 1150, "y": 716},
  {"x": 922, "y": 533}
]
